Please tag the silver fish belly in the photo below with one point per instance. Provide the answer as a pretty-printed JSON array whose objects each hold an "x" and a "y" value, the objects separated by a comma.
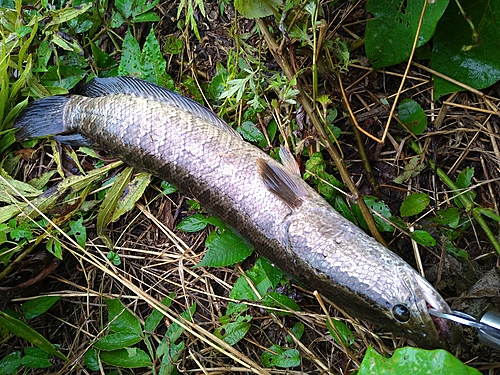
[{"x": 281, "y": 215}]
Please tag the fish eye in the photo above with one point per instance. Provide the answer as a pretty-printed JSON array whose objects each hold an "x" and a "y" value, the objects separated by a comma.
[{"x": 401, "y": 313}]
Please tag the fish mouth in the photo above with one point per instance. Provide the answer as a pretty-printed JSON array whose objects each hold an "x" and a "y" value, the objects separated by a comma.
[{"x": 448, "y": 332}]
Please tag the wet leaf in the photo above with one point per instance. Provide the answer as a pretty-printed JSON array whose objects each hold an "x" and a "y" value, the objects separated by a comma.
[
  {"x": 459, "y": 54},
  {"x": 10, "y": 363},
  {"x": 389, "y": 36},
  {"x": 414, "y": 361},
  {"x": 91, "y": 359},
  {"x": 38, "y": 306}
]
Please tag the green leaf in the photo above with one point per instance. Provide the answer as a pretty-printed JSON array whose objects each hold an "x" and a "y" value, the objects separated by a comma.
[
  {"x": 35, "y": 358},
  {"x": 390, "y": 35},
  {"x": 449, "y": 217},
  {"x": 38, "y": 306},
  {"x": 169, "y": 362},
  {"x": 414, "y": 204},
  {"x": 257, "y": 8},
  {"x": 297, "y": 330},
  {"x": 412, "y": 169},
  {"x": 91, "y": 359},
  {"x": 344, "y": 332},
  {"x": 381, "y": 209},
  {"x": 156, "y": 316},
  {"x": 126, "y": 358},
  {"x": 232, "y": 332},
  {"x": 173, "y": 45},
  {"x": 101, "y": 59},
  {"x": 224, "y": 249},
  {"x": 423, "y": 238},
  {"x": 121, "y": 320},
  {"x": 476, "y": 65},
  {"x": 464, "y": 179},
  {"x": 250, "y": 132},
  {"x": 115, "y": 341},
  {"x": 10, "y": 363},
  {"x": 264, "y": 275},
  {"x": 148, "y": 64},
  {"x": 414, "y": 361},
  {"x": 284, "y": 358},
  {"x": 78, "y": 230},
  {"x": 167, "y": 188},
  {"x": 193, "y": 223},
  {"x": 412, "y": 115},
  {"x": 281, "y": 301},
  {"x": 24, "y": 331}
]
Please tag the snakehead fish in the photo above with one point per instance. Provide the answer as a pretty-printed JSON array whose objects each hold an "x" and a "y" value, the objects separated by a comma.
[{"x": 287, "y": 221}]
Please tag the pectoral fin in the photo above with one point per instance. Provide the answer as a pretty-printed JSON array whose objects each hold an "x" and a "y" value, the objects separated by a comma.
[{"x": 282, "y": 183}]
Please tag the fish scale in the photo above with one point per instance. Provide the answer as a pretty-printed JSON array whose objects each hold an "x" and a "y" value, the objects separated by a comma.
[{"x": 285, "y": 219}]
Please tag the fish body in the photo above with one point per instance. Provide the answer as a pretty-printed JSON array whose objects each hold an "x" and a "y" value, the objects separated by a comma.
[{"x": 285, "y": 219}]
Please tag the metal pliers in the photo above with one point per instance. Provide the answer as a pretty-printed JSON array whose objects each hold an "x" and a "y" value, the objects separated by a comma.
[{"x": 488, "y": 327}]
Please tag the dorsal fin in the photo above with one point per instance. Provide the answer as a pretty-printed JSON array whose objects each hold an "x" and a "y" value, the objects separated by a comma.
[
  {"x": 279, "y": 181},
  {"x": 137, "y": 87},
  {"x": 289, "y": 161}
]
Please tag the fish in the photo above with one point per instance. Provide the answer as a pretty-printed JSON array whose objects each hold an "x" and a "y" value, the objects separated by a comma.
[{"x": 267, "y": 201}]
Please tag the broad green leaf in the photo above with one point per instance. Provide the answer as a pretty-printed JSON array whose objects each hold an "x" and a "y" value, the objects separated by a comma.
[
  {"x": 423, "y": 238},
  {"x": 449, "y": 217},
  {"x": 344, "y": 332},
  {"x": 224, "y": 249},
  {"x": 91, "y": 359},
  {"x": 414, "y": 361},
  {"x": 167, "y": 188},
  {"x": 233, "y": 332},
  {"x": 381, "y": 209},
  {"x": 464, "y": 179},
  {"x": 412, "y": 115},
  {"x": 193, "y": 223},
  {"x": 257, "y": 8},
  {"x": 62, "y": 76},
  {"x": 35, "y": 358},
  {"x": 24, "y": 331},
  {"x": 285, "y": 358},
  {"x": 121, "y": 320},
  {"x": 390, "y": 35},
  {"x": 126, "y": 358},
  {"x": 78, "y": 230},
  {"x": 10, "y": 363},
  {"x": 414, "y": 204},
  {"x": 115, "y": 341},
  {"x": 38, "y": 306},
  {"x": 175, "y": 330},
  {"x": 281, "y": 301},
  {"x": 264, "y": 275},
  {"x": 250, "y": 132},
  {"x": 456, "y": 54},
  {"x": 101, "y": 59}
]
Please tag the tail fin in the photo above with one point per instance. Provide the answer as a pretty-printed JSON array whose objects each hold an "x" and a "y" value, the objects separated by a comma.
[{"x": 42, "y": 118}]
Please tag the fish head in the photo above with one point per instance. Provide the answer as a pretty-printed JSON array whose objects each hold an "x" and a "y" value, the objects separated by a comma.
[{"x": 408, "y": 311}]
